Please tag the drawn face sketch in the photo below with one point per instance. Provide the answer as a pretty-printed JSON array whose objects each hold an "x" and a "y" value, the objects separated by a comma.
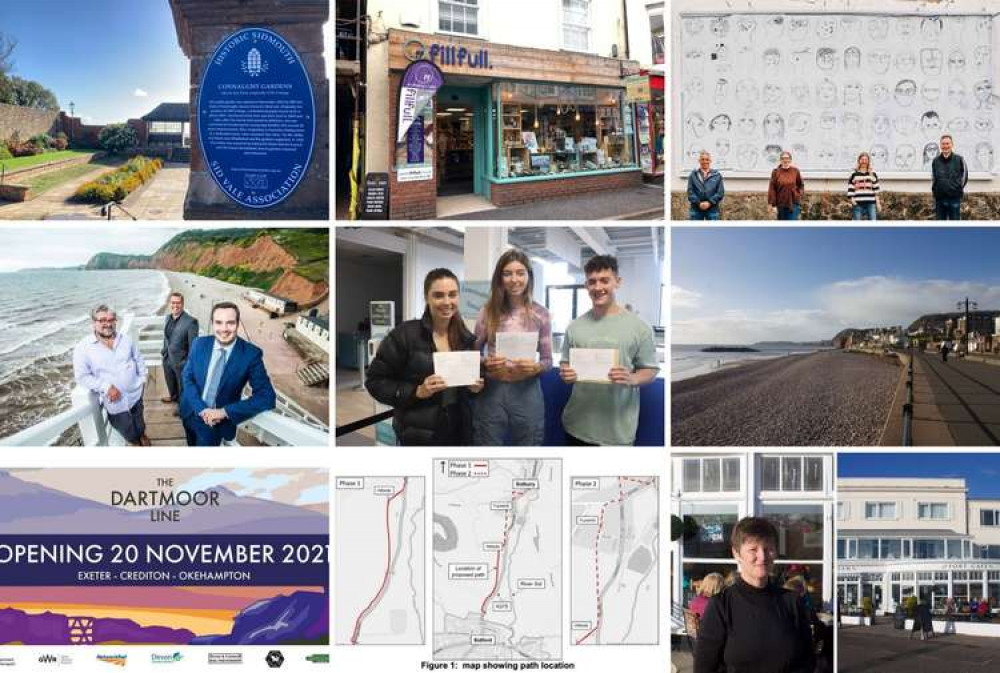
[
  {"x": 774, "y": 28},
  {"x": 693, "y": 153},
  {"x": 695, "y": 124},
  {"x": 746, "y": 156},
  {"x": 694, "y": 88},
  {"x": 722, "y": 148},
  {"x": 799, "y": 122},
  {"x": 774, "y": 93},
  {"x": 984, "y": 156},
  {"x": 931, "y": 61},
  {"x": 800, "y": 152},
  {"x": 747, "y": 124},
  {"x": 931, "y": 28},
  {"x": 905, "y": 156},
  {"x": 826, "y": 59},
  {"x": 851, "y": 27},
  {"x": 983, "y": 125},
  {"x": 852, "y": 124},
  {"x": 878, "y": 28},
  {"x": 800, "y": 92},
  {"x": 905, "y": 125},
  {"x": 798, "y": 28},
  {"x": 957, "y": 93},
  {"x": 984, "y": 27},
  {"x": 720, "y": 124},
  {"x": 853, "y": 93},
  {"x": 930, "y": 152},
  {"x": 694, "y": 61},
  {"x": 827, "y": 156},
  {"x": 983, "y": 90},
  {"x": 880, "y": 155},
  {"x": 981, "y": 56},
  {"x": 801, "y": 60},
  {"x": 906, "y": 92},
  {"x": 771, "y": 155},
  {"x": 826, "y": 28},
  {"x": 747, "y": 93},
  {"x": 720, "y": 56},
  {"x": 930, "y": 92},
  {"x": 828, "y": 120},
  {"x": 906, "y": 26},
  {"x": 959, "y": 125},
  {"x": 930, "y": 122},
  {"x": 774, "y": 126},
  {"x": 772, "y": 59},
  {"x": 880, "y": 92},
  {"x": 905, "y": 61},
  {"x": 881, "y": 126},
  {"x": 721, "y": 90},
  {"x": 693, "y": 26},
  {"x": 745, "y": 27},
  {"x": 826, "y": 93},
  {"x": 956, "y": 61},
  {"x": 852, "y": 58},
  {"x": 879, "y": 61},
  {"x": 720, "y": 26}
]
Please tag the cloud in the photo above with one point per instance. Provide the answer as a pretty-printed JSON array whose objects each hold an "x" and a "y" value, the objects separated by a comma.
[
  {"x": 140, "y": 93},
  {"x": 681, "y": 298},
  {"x": 747, "y": 327}
]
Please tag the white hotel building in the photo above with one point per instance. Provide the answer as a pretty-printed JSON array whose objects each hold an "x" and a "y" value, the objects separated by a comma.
[
  {"x": 915, "y": 537},
  {"x": 712, "y": 491}
]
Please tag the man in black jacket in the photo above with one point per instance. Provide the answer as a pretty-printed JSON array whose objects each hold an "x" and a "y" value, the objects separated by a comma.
[
  {"x": 950, "y": 176},
  {"x": 179, "y": 332}
]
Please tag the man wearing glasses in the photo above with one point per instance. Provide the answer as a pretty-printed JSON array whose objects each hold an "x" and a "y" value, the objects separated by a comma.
[{"x": 110, "y": 365}]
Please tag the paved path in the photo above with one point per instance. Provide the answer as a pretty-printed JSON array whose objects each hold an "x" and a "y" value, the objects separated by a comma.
[
  {"x": 955, "y": 403},
  {"x": 55, "y": 204},
  {"x": 883, "y": 649},
  {"x": 163, "y": 198},
  {"x": 641, "y": 202}
]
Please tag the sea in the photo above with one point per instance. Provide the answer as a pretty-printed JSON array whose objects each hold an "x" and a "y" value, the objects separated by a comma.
[
  {"x": 43, "y": 314},
  {"x": 688, "y": 361}
]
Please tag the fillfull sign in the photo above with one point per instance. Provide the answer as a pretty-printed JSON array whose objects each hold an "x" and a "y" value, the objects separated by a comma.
[{"x": 421, "y": 80}]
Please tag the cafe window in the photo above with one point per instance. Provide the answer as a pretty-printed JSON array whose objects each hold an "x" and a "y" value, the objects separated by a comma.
[
  {"x": 554, "y": 129},
  {"x": 459, "y": 16},
  {"x": 576, "y": 24}
]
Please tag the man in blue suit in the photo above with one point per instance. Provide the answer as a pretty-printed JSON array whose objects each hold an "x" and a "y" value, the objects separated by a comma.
[{"x": 217, "y": 369}]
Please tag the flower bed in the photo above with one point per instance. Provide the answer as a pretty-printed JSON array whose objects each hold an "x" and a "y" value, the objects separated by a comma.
[{"x": 119, "y": 183}]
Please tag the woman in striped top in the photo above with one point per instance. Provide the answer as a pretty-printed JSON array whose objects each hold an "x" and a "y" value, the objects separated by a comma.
[{"x": 863, "y": 189}]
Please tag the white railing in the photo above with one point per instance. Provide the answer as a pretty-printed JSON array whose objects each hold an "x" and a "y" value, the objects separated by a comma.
[{"x": 288, "y": 425}]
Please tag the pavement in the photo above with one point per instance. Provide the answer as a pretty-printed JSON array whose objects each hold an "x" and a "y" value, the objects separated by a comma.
[
  {"x": 163, "y": 197},
  {"x": 955, "y": 403},
  {"x": 883, "y": 649},
  {"x": 55, "y": 204},
  {"x": 644, "y": 202}
]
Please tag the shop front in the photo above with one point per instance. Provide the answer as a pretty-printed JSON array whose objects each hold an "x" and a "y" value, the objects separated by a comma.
[
  {"x": 509, "y": 125},
  {"x": 644, "y": 92}
]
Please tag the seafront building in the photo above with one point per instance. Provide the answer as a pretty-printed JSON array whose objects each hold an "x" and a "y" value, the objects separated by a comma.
[
  {"x": 711, "y": 492},
  {"x": 915, "y": 537}
]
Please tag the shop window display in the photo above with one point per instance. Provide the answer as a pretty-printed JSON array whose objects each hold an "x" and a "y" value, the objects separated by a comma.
[{"x": 559, "y": 129}]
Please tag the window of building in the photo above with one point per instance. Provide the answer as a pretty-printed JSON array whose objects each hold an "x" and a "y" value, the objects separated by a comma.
[
  {"x": 989, "y": 517},
  {"x": 843, "y": 511},
  {"x": 932, "y": 510},
  {"x": 576, "y": 24},
  {"x": 867, "y": 548},
  {"x": 890, "y": 549},
  {"x": 841, "y": 548},
  {"x": 711, "y": 475},
  {"x": 954, "y": 549},
  {"x": 928, "y": 549},
  {"x": 552, "y": 129},
  {"x": 791, "y": 473},
  {"x": 694, "y": 573},
  {"x": 708, "y": 529},
  {"x": 880, "y": 510},
  {"x": 459, "y": 16},
  {"x": 659, "y": 41},
  {"x": 800, "y": 530}
]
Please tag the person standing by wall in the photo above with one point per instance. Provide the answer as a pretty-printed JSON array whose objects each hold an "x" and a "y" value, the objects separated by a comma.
[
  {"x": 949, "y": 176},
  {"x": 705, "y": 191},
  {"x": 863, "y": 189},
  {"x": 784, "y": 193}
]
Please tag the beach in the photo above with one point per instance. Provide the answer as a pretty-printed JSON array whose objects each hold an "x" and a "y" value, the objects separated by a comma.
[
  {"x": 830, "y": 398},
  {"x": 281, "y": 359}
]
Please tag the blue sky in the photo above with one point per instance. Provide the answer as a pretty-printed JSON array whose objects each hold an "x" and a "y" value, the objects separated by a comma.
[
  {"x": 115, "y": 59},
  {"x": 981, "y": 471},
  {"x": 742, "y": 285}
]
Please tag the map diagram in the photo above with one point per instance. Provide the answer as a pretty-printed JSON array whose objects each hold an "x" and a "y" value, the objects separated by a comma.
[
  {"x": 614, "y": 561},
  {"x": 380, "y": 560},
  {"x": 497, "y": 559}
]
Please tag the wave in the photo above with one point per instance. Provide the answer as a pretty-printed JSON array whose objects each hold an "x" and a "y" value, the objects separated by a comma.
[{"x": 58, "y": 327}]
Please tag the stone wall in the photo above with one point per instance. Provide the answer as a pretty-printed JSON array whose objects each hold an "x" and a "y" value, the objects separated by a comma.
[
  {"x": 835, "y": 206},
  {"x": 27, "y": 121}
]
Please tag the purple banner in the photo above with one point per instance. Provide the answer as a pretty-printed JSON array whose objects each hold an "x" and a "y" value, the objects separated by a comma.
[
  {"x": 164, "y": 560},
  {"x": 423, "y": 75},
  {"x": 421, "y": 80},
  {"x": 415, "y": 142}
]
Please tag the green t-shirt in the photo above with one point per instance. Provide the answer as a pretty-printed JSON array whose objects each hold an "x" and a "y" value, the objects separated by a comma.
[{"x": 608, "y": 413}]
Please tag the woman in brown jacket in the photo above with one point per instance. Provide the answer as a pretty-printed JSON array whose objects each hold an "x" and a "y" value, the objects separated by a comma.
[{"x": 785, "y": 190}]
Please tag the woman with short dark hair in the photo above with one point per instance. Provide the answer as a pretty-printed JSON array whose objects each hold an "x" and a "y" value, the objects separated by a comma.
[{"x": 755, "y": 626}]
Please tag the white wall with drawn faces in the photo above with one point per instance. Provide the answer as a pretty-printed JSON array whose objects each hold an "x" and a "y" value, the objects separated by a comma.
[{"x": 828, "y": 86}]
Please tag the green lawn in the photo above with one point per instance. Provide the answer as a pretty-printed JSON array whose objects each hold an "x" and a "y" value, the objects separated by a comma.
[
  {"x": 46, "y": 181},
  {"x": 22, "y": 162}
]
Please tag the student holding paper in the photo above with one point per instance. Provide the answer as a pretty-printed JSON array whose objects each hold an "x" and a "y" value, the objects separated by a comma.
[
  {"x": 607, "y": 353},
  {"x": 516, "y": 331},
  {"x": 431, "y": 404}
]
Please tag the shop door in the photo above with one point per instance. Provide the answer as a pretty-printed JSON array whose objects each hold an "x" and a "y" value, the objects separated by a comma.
[{"x": 460, "y": 118}]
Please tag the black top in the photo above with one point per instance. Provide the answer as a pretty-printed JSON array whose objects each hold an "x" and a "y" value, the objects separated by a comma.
[
  {"x": 950, "y": 176},
  {"x": 751, "y": 630},
  {"x": 404, "y": 359}
]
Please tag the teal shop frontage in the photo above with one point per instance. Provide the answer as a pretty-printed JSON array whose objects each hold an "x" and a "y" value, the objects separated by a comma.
[{"x": 510, "y": 125}]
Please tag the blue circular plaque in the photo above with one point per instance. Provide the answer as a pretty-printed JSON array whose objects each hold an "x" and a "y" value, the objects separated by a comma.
[{"x": 256, "y": 118}]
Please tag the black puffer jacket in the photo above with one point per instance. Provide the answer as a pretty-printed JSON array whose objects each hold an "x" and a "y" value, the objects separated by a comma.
[{"x": 404, "y": 359}]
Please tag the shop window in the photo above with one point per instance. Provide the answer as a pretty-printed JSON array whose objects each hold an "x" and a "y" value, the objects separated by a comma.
[
  {"x": 800, "y": 530},
  {"x": 880, "y": 510},
  {"x": 932, "y": 510},
  {"x": 708, "y": 529},
  {"x": 554, "y": 129},
  {"x": 576, "y": 24},
  {"x": 459, "y": 16},
  {"x": 812, "y": 574},
  {"x": 694, "y": 573}
]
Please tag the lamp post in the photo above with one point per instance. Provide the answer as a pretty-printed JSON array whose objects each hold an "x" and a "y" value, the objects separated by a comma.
[{"x": 975, "y": 307}]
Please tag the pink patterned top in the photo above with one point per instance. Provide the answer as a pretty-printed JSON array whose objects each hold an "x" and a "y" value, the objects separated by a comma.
[{"x": 521, "y": 321}]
